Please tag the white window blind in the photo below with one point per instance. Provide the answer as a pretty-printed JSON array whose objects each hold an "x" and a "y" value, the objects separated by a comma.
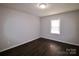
[{"x": 55, "y": 26}]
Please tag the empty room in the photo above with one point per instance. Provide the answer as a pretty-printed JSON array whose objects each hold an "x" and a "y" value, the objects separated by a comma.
[{"x": 39, "y": 29}]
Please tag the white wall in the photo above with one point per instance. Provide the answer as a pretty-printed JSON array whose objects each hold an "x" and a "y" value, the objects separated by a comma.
[
  {"x": 17, "y": 28},
  {"x": 69, "y": 27}
]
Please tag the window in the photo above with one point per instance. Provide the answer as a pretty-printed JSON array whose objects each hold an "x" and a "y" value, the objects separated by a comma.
[{"x": 55, "y": 26}]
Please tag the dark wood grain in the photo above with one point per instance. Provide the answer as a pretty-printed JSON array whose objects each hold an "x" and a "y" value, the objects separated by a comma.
[{"x": 43, "y": 47}]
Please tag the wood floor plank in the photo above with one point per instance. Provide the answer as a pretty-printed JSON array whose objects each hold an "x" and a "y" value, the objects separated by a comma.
[{"x": 43, "y": 47}]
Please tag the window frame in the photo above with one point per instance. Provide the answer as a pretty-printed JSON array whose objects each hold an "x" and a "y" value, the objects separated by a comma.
[{"x": 51, "y": 31}]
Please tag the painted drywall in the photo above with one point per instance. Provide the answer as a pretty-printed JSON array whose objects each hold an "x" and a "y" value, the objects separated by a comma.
[
  {"x": 17, "y": 28},
  {"x": 69, "y": 27}
]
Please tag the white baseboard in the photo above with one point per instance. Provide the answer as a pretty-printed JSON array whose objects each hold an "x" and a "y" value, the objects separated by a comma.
[
  {"x": 37, "y": 38},
  {"x": 18, "y": 44},
  {"x": 61, "y": 41}
]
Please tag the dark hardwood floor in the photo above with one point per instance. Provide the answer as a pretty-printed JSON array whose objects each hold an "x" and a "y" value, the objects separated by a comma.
[{"x": 43, "y": 47}]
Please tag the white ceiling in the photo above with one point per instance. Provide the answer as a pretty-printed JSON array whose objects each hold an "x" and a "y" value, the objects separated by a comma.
[{"x": 52, "y": 8}]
